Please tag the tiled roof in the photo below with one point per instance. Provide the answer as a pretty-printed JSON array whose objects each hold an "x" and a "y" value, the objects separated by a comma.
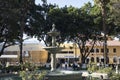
[
  {"x": 109, "y": 43},
  {"x": 98, "y": 43}
]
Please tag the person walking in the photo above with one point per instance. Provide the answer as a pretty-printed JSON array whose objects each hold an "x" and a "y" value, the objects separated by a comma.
[{"x": 66, "y": 64}]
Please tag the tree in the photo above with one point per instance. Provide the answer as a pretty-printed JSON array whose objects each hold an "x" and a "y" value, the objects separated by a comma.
[
  {"x": 8, "y": 26},
  {"x": 115, "y": 9},
  {"x": 12, "y": 29},
  {"x": 74, "y": 24},
  {"x": 77, "y": 25},
  {"x": 26, "y": 8},
  {"x": 107, "y": 23},
  {"x": 98, "y": 20},
  {"x": 39, "y": 22}
]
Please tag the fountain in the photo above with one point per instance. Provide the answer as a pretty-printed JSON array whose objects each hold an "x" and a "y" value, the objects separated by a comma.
[
  {"x": 55, "y": 74},
  {"x": 53, "y": 50}
]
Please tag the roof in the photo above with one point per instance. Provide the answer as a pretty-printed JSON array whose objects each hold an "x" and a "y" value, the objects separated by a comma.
[
  {"x": 26, "y": 47},
  {"x": 109, "y": 43},
  {"x": 114, "y": 43},
  {"x": 8, "y": 56},
  {"x": 98, "y": 43}
]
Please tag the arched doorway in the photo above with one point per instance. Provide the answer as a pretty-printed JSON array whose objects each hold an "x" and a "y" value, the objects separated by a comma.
[
  {"x": 87, "y": 60},
  {"x": 97, "y": 59},
  {"x": 119, "y": 60},
  {"x": 114, "y": 59},
  {"x": 92, "y": 59},
  {"x": 107, "y": 60},
  {"x": 102, "y": 60}
]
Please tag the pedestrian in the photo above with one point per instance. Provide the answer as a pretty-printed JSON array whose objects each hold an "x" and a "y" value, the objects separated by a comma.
[
  {"x": 66, "y": 64},
  {"x": 101, "y": 77},
  {"x": 73, "y": 66}
]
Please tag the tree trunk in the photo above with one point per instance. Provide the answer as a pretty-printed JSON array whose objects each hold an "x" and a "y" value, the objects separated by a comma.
[
  {"x": 3, "y": 47},
  {"x": 103, "y": 8},
  {"x": 83, "y": 60}
]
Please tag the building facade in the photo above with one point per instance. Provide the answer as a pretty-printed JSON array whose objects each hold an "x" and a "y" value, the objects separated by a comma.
[
  {"x": 33, "y": 53},
  {"x": 36, "y": 54},
  {"x": 96, "y": 55}
]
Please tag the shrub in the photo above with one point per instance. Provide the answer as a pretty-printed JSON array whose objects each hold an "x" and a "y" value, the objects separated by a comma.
[
  {"x": 32, "y": 75},
  {"x": 115, "y": 76},
  {"x": 13, "y": 68},
  {"x": 107, "y": 70},
  {"x": 0, "y": 67},
  {"x": 28, "y": 65},
  {"x": 92, "y": 68}
]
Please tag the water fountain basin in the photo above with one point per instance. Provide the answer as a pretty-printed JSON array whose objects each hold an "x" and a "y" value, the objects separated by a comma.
[
  {"x": 64, "y": 75},
  {"x": 53, "y": 50}
]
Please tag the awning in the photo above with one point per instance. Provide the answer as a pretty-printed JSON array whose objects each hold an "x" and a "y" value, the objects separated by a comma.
[{"x": 9, "y": 56}]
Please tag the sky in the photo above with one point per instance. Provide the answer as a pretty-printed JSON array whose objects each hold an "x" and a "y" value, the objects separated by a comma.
[{"x": 62, "y": 3}]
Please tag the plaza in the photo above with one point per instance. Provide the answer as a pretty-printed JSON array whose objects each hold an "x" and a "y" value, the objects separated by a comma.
[{"x": 59, "y": 40}]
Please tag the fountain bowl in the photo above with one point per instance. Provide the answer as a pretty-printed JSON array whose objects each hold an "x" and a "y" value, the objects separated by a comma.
[
  {"x": 53, "y": 49},
  {"x": 64, "y": 75}
]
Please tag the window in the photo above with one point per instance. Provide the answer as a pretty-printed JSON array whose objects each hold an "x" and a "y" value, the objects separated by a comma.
[
  {"x": 107, "y": 58},
  {"x": 70, "y": 52},
  {"x": 97, "y": 58},
  {"x": 87, "y": 60},
  {"x": 92, "y": 50},
  {"x": 92, "y": 59},
  {"x": 107, "y": 50},
  {"x": 63, "y": 52},
  {"x": 102, "y": 50},
  {"x": 102, "y": 60},
  {"x": 97, "y": 50},
  {"x": 114, "y": 50},
  {"x": 114, "y": 59},
  {"x": 66, "y": 52}
]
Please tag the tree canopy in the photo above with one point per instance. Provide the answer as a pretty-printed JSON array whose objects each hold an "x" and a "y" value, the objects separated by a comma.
[{"x": 9, "y": 27}]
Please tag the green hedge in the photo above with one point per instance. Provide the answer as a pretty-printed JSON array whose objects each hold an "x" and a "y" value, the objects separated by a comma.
[{"x": 13, "y": 68}]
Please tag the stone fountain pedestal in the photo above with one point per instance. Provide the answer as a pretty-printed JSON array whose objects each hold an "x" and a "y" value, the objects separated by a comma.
[{"x": 53, "y": 51}]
